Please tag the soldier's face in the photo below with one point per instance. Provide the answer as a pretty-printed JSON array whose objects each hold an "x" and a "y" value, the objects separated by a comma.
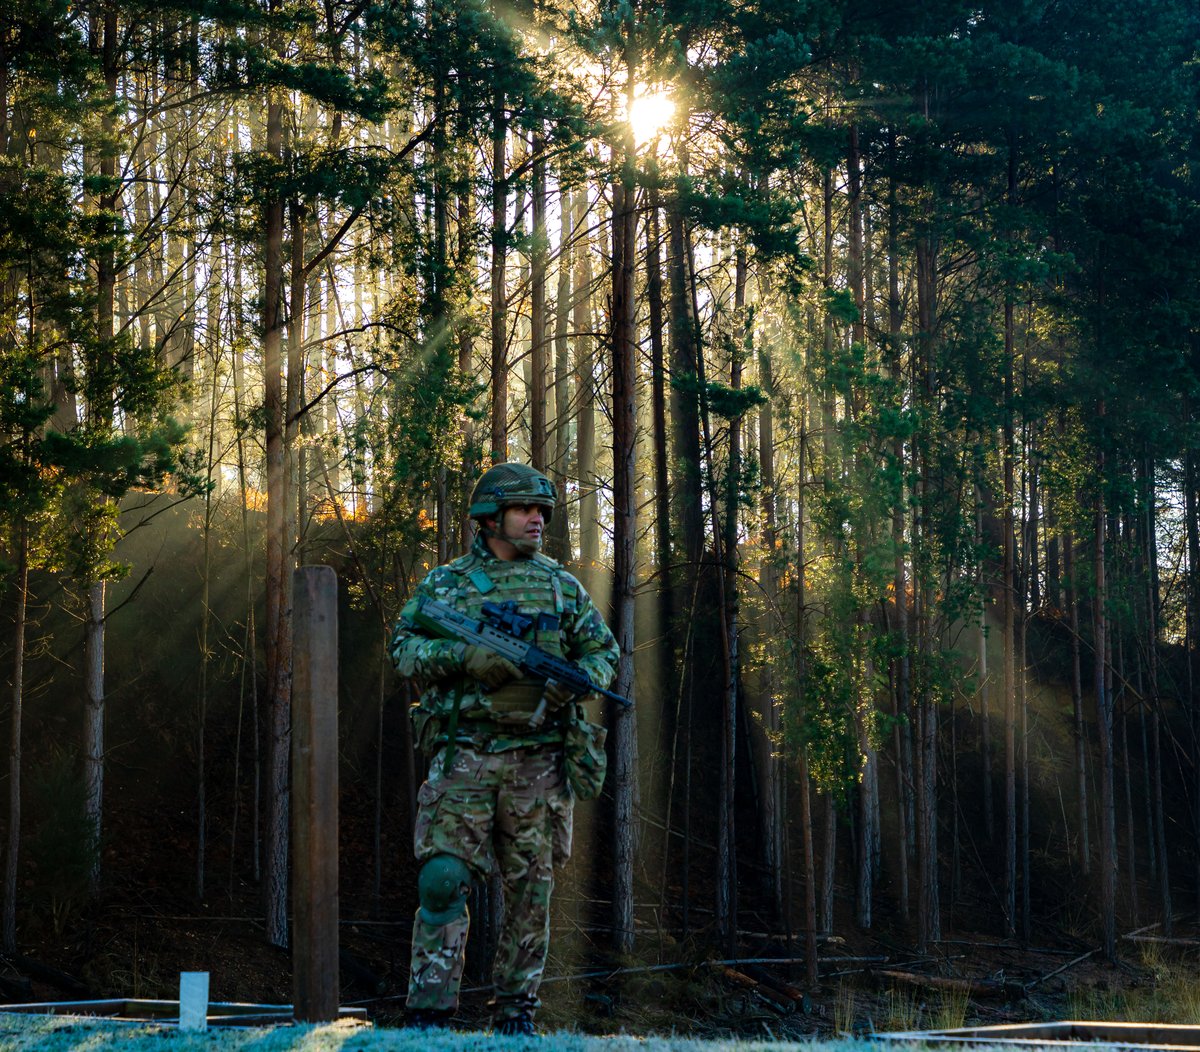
[{"x": 523, "y": 522}]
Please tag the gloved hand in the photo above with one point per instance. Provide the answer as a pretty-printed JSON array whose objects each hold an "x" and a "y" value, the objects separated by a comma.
[
  {"x": 488, "y": 667},
  {"x": 557, "y": 694}
]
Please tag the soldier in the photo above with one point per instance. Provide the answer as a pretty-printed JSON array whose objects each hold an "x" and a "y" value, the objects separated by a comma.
[{"x": 496, "y": 793}]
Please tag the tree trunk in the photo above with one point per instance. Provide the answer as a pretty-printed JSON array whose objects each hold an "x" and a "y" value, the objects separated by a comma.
[
  {"x": 624, "y": 416},
  {"x": 828, "y": 864},
  {"x": 771, "y": 777},
  {"x": 1008, "y": 639},
  {"x": 726, "y": 840},
  {"x": 985, "y": 716},
  {"x": 101, "y": 415},
  {"x": 1149, "y": 533},
  {"x": 278, "y": 604},
  {"x": 685, "y": 409},
  {"x": 806, "y": 811},
  {"x": 537, "y": 309},
  {"x": 466, "y": 365},
  {"x": 1080, "y": 735},
  {"x": 901, "y": 665},
  {"x": 559, "y": 530},
  {"x": 8, "y": 925},
  {"x": 1104, "y": 727},
  {"x": 93, "y": 732},
  {"x": 1192, "y": 602},
  {"x": 928, "y": 909},
  {"x": 658, "y": 400},
  {"x": 499, "y": 368},
  {"x": 585, "y": 386}
]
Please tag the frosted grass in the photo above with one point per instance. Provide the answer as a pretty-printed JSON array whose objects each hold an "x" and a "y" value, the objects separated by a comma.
[{"x": 70, "y": 1034}]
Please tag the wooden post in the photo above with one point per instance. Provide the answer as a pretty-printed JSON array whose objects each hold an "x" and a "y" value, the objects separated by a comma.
[{"x": 315, "y": 796}]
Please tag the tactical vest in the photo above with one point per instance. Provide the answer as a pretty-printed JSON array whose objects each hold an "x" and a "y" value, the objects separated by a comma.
[{"x": 541, "y": 592}]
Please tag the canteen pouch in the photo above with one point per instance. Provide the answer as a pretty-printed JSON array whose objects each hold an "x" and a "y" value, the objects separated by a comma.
[{"x": 585, "y": 759}]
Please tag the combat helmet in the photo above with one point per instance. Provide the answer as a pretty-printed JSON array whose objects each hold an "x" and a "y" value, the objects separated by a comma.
[{"x": 503, "y": 485}]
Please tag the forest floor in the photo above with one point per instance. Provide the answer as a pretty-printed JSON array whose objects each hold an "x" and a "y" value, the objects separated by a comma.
[
  {"x": 135, "y": 946},
  {"x": 149, "y": 926}
]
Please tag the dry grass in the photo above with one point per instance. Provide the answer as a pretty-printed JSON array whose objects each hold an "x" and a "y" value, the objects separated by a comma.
[
  {"x": 843, "y": 1010},
  {"x": 901, "y": 1011},
  {"x": 951, "y": 1011},
  {"x": 1170, "y": 994}
]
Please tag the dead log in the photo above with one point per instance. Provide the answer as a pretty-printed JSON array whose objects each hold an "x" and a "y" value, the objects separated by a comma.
[
  {"x": 977, "y": 989},
  {"x": 798, "y": 997},
  {"x": 777, "y": 1002}
]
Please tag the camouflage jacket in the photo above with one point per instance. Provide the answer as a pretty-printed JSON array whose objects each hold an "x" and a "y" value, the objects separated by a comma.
[{"x": 573, "y": 629}]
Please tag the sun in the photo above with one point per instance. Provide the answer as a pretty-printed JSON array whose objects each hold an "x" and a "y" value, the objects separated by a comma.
[{"x": 650, "y": 113}]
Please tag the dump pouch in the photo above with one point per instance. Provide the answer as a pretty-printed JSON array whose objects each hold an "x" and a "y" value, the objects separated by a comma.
[{"x": 584, "y": 756}]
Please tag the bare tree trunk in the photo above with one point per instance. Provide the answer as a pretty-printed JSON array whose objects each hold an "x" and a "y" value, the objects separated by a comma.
[
  {"x": 1121, "y": 716},
  {"x": 985, "y": 716},
  {"x": 1149, "y": 534},
  {"x": 806, "y": 811},
  {"x": 205, "y": 617},
  {"x": 499, "y": 369},
  {"x": 93, "y": 739},
  {"x": 771, "y": 777},
  {"x": 925, "y": 775},
  {"x": 466, "y": 365},
  {"x": 250, "y": 642},
  {"x": 658, "y": 399},
  {"x": 868, "y": 782},
  {"x": 1104, "y": 726},
  {"x": 585, "y": 386},
  {"x": 726, "y": 841},
  {"x": 685, "y": 410},
  {"x": 810, "y": 872},
  {"x": 278, "y": 604},
  {"x": 8, "y": 926},
  {"x": 537, "y": 309},
  {"x": 828, "y": 863},
  {"x": 101, "y": 414},
  {"x": 1080, "y": 735},
  {"x": 901, "y": 665},
  {"x": 560, "y": 526},
  {"x": 1024, "y": 578},
  {"x": 1192, "y": 602},
  {"x": 624, "y": 417}
]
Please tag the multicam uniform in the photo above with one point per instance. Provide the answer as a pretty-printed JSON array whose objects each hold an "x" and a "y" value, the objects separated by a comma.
[{"x": 503, "y": 794}]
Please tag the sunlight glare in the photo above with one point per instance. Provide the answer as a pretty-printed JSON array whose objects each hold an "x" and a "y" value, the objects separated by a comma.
[{"x": 650, "y": 114}]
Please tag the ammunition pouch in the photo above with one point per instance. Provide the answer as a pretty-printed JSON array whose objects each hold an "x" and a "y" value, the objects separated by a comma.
[{"x": 513, "y": 704}]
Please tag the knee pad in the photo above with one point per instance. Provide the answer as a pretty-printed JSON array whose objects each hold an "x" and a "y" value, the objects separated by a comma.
[{"x": 442, "y": 887}]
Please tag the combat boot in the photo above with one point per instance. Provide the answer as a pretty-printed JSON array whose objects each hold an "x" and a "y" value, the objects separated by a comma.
[
  {"x": 425, "y": 1018},
  {"x": 519, "y": 1025}
]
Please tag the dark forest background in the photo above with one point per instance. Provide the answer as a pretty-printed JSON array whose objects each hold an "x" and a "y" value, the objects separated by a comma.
[{"x": 862, "y": 342}]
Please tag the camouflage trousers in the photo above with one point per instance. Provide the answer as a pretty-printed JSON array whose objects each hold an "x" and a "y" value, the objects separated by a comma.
[{"x": 511, "y": 810}]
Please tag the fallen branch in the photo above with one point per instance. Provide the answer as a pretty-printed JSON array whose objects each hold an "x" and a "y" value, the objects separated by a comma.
[
  {"x": 1161, "y": 940},
  {"x": 1062, "y": 968}
]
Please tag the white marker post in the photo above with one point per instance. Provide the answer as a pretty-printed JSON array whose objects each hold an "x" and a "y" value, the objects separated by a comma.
[{"x": 193, "y": 1000}]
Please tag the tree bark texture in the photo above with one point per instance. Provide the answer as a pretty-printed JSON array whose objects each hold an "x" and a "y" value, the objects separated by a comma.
[{"x": 624, "y": 415}]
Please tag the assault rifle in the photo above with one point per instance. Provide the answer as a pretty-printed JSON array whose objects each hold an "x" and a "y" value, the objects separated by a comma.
[{"x": 498, "y": 632}]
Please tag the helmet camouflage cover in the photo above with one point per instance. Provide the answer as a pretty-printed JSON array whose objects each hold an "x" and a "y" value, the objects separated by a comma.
[{"x": 504, "y": 485}]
